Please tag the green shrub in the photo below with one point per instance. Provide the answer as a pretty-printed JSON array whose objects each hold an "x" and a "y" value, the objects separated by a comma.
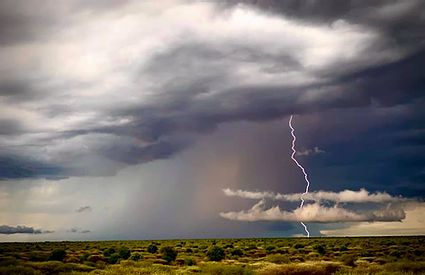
[
  {"x": 108, "y": 252},
  {"x": 168, "y": 253},
  {"x": 57, "y": 255},
  {"x": 124, "y": 253},
  {"x": 343, "y": 248},
  {"x": 152, "y": 248},
  {"x": 189, "y": 261},
  {"x": 396, "y": 254},
  {"x": 320, "y": 249},
  {"x": 94, "y": 258},
  {"x": 252, "y": 247},
  {"x": 84, "y": 257},
  {"x": 270, "y": 248},
  {"x": 298, "y": 246},
  {"x": 136, "y": 257},
  {"x": 114, "y": 258},
  {"x": 38, "y": 257},
  {"x": 216, "y": 253},
  {"x": 236, "y": 252}
]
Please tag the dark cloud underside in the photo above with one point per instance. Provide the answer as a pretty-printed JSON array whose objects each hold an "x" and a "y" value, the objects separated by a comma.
[{"x": 80, "y": 122}]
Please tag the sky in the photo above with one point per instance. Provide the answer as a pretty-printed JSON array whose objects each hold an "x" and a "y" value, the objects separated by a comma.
[{"x": 169, "y": 119}]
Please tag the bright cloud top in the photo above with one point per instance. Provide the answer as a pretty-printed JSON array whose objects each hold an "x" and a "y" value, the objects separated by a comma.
[{"x": 326, "y": 207}]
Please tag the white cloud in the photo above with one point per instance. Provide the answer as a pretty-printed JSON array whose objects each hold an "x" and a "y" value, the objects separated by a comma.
[
  {"x": 314, "y": 213},
  {"x": 346, "y": 196},
  {"x": 248, "y": 194},
  {"x": 323, "y": 207}
]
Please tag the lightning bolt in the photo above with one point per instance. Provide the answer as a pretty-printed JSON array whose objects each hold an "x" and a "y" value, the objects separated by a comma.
[{"x": 294, "y": 139}]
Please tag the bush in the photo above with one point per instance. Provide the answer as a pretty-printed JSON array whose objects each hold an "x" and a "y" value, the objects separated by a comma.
[
  {"x": 108, "y": 252},
  {"x": 84, "y": 257},
  {"x": 320, "y": 249},
  {"x": 94, "y": 258},
  {"x": 298, "y": 246},
  {"x": 236, "y": 252},
  {"x": 38, "y": 257},
  {"x": 136, "y": 257},
  {"x": 348, "y": 260},
  {"x": 124, "y": 253},
  {"x": 152, "y": 248},
  {"x": 396, "y": 254},
  {"x": 216, "y": 253},
  {"x": 343, "y": 248},
  {"x": 168, "y": 253},
  {"x": 251, "y": 247},
  {"x": 270, "y": 248},
  {"x": 114, "y": 258},
  {"x": 57, "y": 255},
  {"x": 189, "y": 261}
]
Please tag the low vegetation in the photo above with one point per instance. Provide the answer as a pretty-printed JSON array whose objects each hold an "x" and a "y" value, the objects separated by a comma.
[{"x": 380, "y": 255}]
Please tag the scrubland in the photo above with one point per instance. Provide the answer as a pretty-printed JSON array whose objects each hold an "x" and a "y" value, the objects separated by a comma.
[{"x": 317, "y": 256}]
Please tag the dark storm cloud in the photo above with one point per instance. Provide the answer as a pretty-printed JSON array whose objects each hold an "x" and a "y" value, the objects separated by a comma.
[
  {"x": 15, "y": 89},
  {"x": 17, "y": 24},
  {"x": 37, "y": 20},
  {"x": 197, "y": 87},
  {"x": 15, "y": 167},
  {"x": 21, "y": 229},
  {"x": 10, "y": 127},
  {"x": 391, "y": 84},
  {"x": 402, "y": 20}
]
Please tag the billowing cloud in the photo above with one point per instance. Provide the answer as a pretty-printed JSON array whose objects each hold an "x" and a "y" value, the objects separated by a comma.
[
  {"x": 83, "y": 102},
  {"x": 360, "y": 196},
  {"x": 21, "y": 229},
  {"x": 314, "y": 213},
  {"x": 326, "y": 207}
]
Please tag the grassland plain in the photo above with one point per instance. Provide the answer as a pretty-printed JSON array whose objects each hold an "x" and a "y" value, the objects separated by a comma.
[{"x": 363, "y": 255}]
